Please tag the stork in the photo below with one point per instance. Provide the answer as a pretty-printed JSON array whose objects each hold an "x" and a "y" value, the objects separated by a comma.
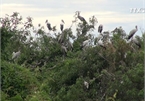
[
  {"x": 100, "y": 28},
  {"x": 106, "y": 32},
  {"x": 48, "y": 25},
  {"x": 105, "y": 36},
  {"x": 70, "y": 45},
  {"x": 119, "y": 31},
  {"x": 64, "y": 50},
  {"x": 62, "y": 25},
  {"x": 61, "y": 38},
  {"x": 123, "y": 33},
  {"x": 85, "y": 43},
  {"x": 15, "y": 55},
  {"x": 110, "y": 39},
  {"x": 86, "y": 84},
  {"x": 98, "y": 38},
  {"x": 125, "y": 54},
  {"x": 132, "y": 32},
  {"x": 80, "y": 17},
  {"x": 100, "y": 43},
  {"x": 134, "y": 40}
]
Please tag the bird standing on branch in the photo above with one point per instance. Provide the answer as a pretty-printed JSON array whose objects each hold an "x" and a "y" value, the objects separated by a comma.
[
  {"x": 15, "y": 55},
  {"x": 62, "y": 25},
  {"x": 80, "y": 17},
  {"x": 100, "y": 43},
  {"x": 48, "y": 25},
  {"x": 85, "y": 43},
  {"x": 100, "y": 28},
  {"x": 64, "y": 50},
  {"x": 134, "y": 40},
  {"x": 132, "y": 32},
  {"x": 86, "y": 84}
]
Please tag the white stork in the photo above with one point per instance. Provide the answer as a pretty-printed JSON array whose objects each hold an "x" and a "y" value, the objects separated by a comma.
[
  {"x": 100, "y": 36},
  {"x": 119, "y": 30},
  {"x": 48, "y": 25},
  {"x": 62, "y": 25},
  {"x": 123, "y": 33},
  {"x": 86, "y": 84},
  {"x": 80, "y": 17},
  {"x": 64, "y": 49},
  {"x": 132, "y": 32},
  {"x": 134, "y": 40},
  {"x": 15, "y": 55},
  {"x": 100, "y": 43},
  {"x": 85, "y": 43},
  {"x": 70, "y": 45},
  {"x": 100, "y": 28}
]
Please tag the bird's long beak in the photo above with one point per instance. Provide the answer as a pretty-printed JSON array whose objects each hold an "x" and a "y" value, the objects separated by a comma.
[{"x": 63, "y": 21}]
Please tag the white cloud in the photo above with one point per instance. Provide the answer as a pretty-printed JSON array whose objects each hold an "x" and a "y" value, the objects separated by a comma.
[{"x": 23, "y": 9}]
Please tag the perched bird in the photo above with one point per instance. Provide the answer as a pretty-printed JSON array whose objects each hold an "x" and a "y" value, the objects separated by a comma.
[
  {"x": 125, "y": 54},
  {"x": 62, "y": 25},
  {"x": 134, "y": 40},
  {"x": 86, "y": 84},
  {"x": 106, "y": 32},
  {"x": 132, "y": 32},
  {"x": 48, "y": 25},
  {"x": 105, "y": 36},
  {"x": 100, "y": 28},
  {"x": 80, "y": 17},
  {"x": 70, "y": 45},
  {"x": 100, "y": 36},
  {"x": 123, "y": 33},
  {"x": 15, "y": 55},
  {"x": 64, "y": 49},
  {"x": 119, "y": 31},
  {"x": 91, "y": 26},
  {"x": 110, "y": 39},
  {"x": 85, "y": 43},
  {"x": 61, "y": 38},
  {"x": 100, "y": 43}
]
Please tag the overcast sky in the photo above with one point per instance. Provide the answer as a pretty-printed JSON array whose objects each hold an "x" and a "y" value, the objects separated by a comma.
[{"x": 110, "y": 13}]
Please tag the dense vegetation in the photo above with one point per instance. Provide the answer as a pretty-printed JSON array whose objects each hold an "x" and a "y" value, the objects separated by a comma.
[{"x": 45, "y": 71}]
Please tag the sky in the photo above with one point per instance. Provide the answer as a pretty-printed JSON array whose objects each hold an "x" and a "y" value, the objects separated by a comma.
[{"x": 110, "y": 13}]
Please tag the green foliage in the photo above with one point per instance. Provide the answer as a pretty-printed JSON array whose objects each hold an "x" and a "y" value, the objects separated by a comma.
[
  {"x": 16, "y": 98},
  {"x": 5, "y": 36},
  {"x": 17, "y": 80},
  {"x": 129, "y": 84}
]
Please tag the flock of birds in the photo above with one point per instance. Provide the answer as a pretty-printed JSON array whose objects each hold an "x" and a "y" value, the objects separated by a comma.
[{"x": 100, "y": 38}]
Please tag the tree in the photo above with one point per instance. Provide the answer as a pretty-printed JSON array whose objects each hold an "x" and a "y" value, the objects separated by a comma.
[{"x": 43, "y": 72}]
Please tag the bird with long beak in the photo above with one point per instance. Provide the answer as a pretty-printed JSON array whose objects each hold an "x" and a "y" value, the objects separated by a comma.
[
  {"x": 15, "y": 55},
  {"x": 132, "y": 32},
  {"x": 100, "y": 28},
  {"x": 48, "y": 25},
  {"x": 80, "y": 17},
  {"x": 86, "y": 84},
  {"x": 134, "y": 40},
  {"x": 62, "y": 25},
  {"x": 85, "y": 43}
]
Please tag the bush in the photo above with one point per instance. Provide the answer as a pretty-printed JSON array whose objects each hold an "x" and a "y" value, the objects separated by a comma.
[{"x": 17, "y": 81}]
